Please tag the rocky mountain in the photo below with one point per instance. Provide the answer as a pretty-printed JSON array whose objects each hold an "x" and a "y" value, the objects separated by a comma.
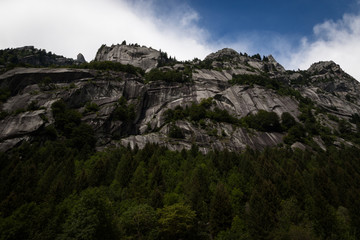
[
  {"x": 227, "y": 101},
  {"x": 29, "y": 56},
  {"x": 143, "y": 57}
]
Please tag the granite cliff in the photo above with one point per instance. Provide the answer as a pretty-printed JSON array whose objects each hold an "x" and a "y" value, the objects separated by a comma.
[
  {"x": 212, "y": 103},
  {"x": 143, "y": 57}
]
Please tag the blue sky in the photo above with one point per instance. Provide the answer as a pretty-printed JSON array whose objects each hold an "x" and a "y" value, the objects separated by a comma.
[
  {"x": 297, "y": 33},
  {"x": 284, "y": 17}
]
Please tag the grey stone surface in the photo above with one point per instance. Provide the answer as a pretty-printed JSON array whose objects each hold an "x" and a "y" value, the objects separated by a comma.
[
  {"x": 328, "y": 86},
  {"x": 80, "y": 58},
  {"x": 143, "y": 57}
]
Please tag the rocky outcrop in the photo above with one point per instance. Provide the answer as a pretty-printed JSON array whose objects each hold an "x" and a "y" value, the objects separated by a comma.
[
  {"x": 29, "y": 55},
  {"x": 150, "y": 101},
  {"x": 143, "y": 57},
  {"x": 21, "y": 124},
  {"x": 33, "y": 90},
  {"x": 80, "y": 58},
  {"x": 225, "y": 53},
  {"x": 18, "y": 79},
  {"x": 325, "y": 67},
  {"x": 330, "y": 87},
  {"x": 228, "y": 58},
  {"x": 227, "y": 137},
  {"x": 274, "y": 64}
]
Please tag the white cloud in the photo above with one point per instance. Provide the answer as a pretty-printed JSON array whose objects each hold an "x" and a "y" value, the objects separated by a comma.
[
  {"x": 68, "y": 27},
  {"x": 333, "y": 40}
]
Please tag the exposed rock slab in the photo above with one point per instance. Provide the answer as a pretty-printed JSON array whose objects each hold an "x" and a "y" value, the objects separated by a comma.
[
  {"x": 143, "y": 57},
  {"x": 21, "y": 124}
]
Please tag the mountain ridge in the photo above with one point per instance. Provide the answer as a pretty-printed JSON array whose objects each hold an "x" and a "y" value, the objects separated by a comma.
[
  {"x": 235, "y": 83},
  {"x": 229, "y": 147}
]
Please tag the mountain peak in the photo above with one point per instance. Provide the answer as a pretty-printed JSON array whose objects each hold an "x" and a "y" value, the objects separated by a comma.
[
  {"x": 133, "y": 54},
  {"x": 225, "y": 52},
  {"x": 325, "y": 67}
]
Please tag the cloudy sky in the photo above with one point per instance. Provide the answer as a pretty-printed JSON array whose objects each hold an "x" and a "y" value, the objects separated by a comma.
[{"x": 297, "y": 33}]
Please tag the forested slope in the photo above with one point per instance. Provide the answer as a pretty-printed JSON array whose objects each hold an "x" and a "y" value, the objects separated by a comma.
[{"x": 229, "y": 147}]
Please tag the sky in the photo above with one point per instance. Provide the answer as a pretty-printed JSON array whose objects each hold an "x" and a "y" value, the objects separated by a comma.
[{"x": 297, "y": 33}]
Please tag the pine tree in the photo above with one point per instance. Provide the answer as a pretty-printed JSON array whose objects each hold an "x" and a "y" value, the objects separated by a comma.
[{"x": 220, "y": 210}]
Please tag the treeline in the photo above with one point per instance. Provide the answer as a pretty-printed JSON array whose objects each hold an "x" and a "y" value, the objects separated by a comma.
[
  {"x": 197, "y": 112},
  {"x": 50, "y": 191},
  {"x": 108, "y": 65},
  {"x": 264, "y": 80},
  {"x": 59, "y": 187},
  {"x": 168, "y": 75},
  {"x": 30, "y": 57}
]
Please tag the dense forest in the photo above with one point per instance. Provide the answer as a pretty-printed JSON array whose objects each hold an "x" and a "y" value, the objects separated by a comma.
[
  {"x": 59, "y": 187},
  {"x": 61, "y": 184}
]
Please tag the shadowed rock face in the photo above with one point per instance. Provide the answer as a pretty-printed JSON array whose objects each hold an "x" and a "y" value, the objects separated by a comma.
[
  {"x": 80, "y": 58},
  {"x": 326, "y": 84},
  {"x": 29, "y": 55},
  {"x": 151, "y": 101}
]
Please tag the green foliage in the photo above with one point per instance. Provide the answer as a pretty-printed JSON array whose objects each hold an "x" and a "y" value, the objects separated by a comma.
[
  {"x": 264, "y": 121},
  {"x": 176, "y": 221},
  {"x": 308, "y": 118},
  {"x": 198, "y": 191},
  {"x": 261, "y": 121},
  {"x": 33, "y": 106},
  {"x": 219, "y": 115},
  {"x": 46, "y": 84},
  {"x": 137, "y": 184},
  {"x": 51, "y": 190},
  {"x": 205, "y": 64},
  {"x": 355, "y": 118},
  {"x": 344, "y": 127},
  {"x": 72, "y": 85},
  {"x": 220, "y": 210},
  {"x": 23, "y": 223},
  {"x": 110, "y": 66},
  {"x": 3, "y": 114},
  {"x": 287, "y": 121},
  {"x": 123, "y": 111},
  {"x": 30, "y": 57},
  {"x": 91, "y": 107},
  {"x": 256, "y": 56},
  {"x": 164, "y": 60},
  {"x": 296, "y": 133},
  {"x": 65, "y": 119},
  {"x": 198, "y": 112},
  {"x": 333, "y": 118},
  {"x": 264, "y": 204},
  {"x": 176, "y": 132},
  {"x": 167, "y": 76},
  {"x": 247, "y": 79},
  {"x": 5, "y": 93},
  {"x": 237, "y": 231},
  {"x": 68, "y": 123},
  {"x": 139, "y": 222},
  {"x": 270, "y": 83},
  {"x": 90, "y": 218}
]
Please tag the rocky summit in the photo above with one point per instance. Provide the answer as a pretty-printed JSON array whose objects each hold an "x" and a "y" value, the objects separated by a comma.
[
  {"x": 131, "y": 95},
  {"x": 143, "y": 57}
]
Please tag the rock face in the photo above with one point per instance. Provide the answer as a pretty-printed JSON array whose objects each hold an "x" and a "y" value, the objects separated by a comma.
[
  {"x": 29, "y": 55},
  {"x": 331, "y": 89},
  {"x": 80, "y": 58},
  {"x": 223, "y": 53},
  {"x": 143, "y": 57}
]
